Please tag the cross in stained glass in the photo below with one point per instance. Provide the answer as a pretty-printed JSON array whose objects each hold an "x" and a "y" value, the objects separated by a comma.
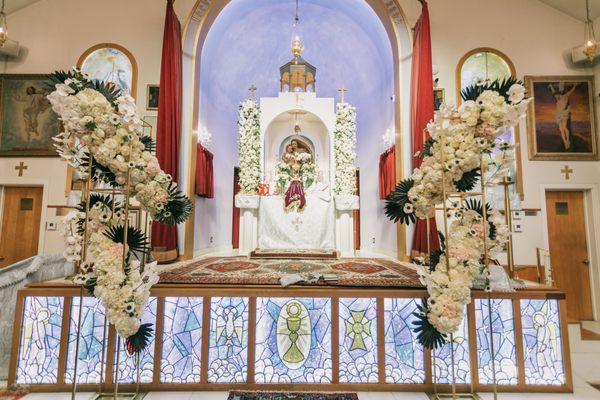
[{"x": 358, "y": 329}]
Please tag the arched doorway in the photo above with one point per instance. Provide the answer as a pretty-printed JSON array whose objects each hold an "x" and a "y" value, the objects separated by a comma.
[{"x": 197, "y": 28}]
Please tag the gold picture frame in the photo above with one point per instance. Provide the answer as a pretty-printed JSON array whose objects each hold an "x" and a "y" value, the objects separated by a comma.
[
  {"x": 439, "y": 97},
  {"x": 561, "y": 122},
  {"x": 152, "y": 96},
  {"x": 27, "y": 122}
]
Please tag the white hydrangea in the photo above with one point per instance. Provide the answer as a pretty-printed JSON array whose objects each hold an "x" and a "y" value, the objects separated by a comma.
[
  {"x": 344, "y": 145},
  {"x": 249, "y": 147}
]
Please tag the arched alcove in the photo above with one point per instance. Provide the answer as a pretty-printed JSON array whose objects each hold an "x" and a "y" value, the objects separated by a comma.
[{"x": 391, "y": 32}]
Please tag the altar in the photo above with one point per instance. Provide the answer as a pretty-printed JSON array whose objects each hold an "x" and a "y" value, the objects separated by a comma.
[
  {"x": 312, "y": 228},
  {"x": 297, "y": 154}
]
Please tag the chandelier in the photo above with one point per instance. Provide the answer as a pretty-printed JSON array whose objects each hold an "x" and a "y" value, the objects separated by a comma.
[
  {"x": 590, "y": 47},
  {"x": 3, "y": 28}
]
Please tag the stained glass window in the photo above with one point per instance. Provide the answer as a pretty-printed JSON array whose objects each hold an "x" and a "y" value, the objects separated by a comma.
[
  {"x": 503, "y": 329},
  {"x": 128, "y": 371},
  {"x": 40, "y": 339},
  {"x": 358, "y": 341},
  {"x": 443, "y": 358},
  {"x": 542, "y": 345},
  {"x": 92, "y": 340},
  {"x": 228, "y": 344},
  {"x": 404, "y": 358},
  {"x": 181, "y": 341},
  {"x": 483, "y": 66},
  {"x": 293, "y": 340}
]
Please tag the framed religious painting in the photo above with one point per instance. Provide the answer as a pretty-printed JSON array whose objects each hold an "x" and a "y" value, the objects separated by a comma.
[
  {"x": 562, "y": 118},
  {"x": 110, "y": 62},
  {"x": 27, "y": 122},
  {"x": 152, "y": 92},
  {"x": 439, "y": 96}
]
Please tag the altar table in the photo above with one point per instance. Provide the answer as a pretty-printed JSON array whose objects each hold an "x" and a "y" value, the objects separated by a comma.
[{"x": 311, "y": 228}]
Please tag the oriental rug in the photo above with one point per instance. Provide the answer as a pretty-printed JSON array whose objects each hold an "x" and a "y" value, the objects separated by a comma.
[
  {"x": 290, "y": 396},
  {"x": 353, "y": 272}
]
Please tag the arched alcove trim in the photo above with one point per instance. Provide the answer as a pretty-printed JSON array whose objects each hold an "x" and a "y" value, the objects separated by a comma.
[
  {"x": 513, "y": 72},
  {"x": 197, "y": 26}
]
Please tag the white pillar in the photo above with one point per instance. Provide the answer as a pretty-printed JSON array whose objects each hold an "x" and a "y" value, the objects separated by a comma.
[
  {"x": 248, "y": 205},
  {"x": 344, "y": 223}
]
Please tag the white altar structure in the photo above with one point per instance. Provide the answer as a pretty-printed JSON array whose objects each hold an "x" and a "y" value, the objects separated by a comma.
[{"x": 326, "y": 222}]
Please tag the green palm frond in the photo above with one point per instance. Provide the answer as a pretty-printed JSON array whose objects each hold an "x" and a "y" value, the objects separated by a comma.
[
  {"x": 136, "y": 239},
  {"x": 178, "y": 209},
  {"x": 138, "y": 342},
  {"x": 427, "y": 335},
  {"x": 468, "y": 180},
  {"x": 149, "y": 143},
  {"x": 107, "y": 89},
  {"x": 475, "y": 205},
  {"x": 427, "y": 147},
  {"x": 501, "y": 86},
  {"x": 395, "y": 202}
]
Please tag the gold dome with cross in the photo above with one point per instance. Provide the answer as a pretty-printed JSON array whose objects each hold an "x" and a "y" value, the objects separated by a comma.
[{"x": 298, "y": 75}]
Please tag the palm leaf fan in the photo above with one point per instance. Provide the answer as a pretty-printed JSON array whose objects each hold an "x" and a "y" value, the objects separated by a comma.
[
  {"x": 149, "y": 143},
  {"x": 468, "y": 180},
  {"x": 138, "y": 342},
  {"x": 178, "y": 209},
  {"x": 475, "y": 205},
  {"x": 136, "y": 240},
  {"x": 395, "y": 202},
  {"x": 427, "y": 335},
  {"x": 107, "y": 89},
  {"x": 427, "y": 146},
  {"x": 502, "y": 86},
  {"x": 95, "y": 198}
]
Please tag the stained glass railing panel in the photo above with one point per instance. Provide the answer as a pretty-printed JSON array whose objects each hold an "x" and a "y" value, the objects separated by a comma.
[
  {"x": 228, "y": 342},
  {"x": 40, "y": 339},
  {"x": 503, "y": 328},
  {"x": 358, "y": 340},
  {"x": 404, "y": 357},
  {"x": 128, "y": 365},
  {"x": 443, "y": 357},
  {"x": 181, "y": 340},
  {"x": 293, "y": 340},
  {"x": 92, "y": 341},
  {"x": 542, "y": 346}
]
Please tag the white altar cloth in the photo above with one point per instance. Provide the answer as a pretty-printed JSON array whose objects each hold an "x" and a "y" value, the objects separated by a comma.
[{"x": 312, "y": 228}]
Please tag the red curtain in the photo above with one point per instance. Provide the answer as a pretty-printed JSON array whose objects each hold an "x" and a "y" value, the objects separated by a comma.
[
  {"x": 235, "y": 224},
  {"x": 421, "y": 113},
  {"x": 164, "y": 237},
  {"x": 204, "y": 173},
  {"x": 387, "y": 172}
]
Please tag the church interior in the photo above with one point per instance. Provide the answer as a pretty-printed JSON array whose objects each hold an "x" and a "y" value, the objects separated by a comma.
[{"x": 299, "y": 199}]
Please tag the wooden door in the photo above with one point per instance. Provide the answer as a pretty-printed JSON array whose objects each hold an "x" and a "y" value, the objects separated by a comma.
[
  {"x": 568, "y": 251},
  {"x": 22, "y": 209}
]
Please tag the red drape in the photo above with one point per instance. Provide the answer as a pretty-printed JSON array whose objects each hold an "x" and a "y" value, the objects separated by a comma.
[
  {"x": 421, "y": 113},
  {"x": 235, "y": 225},
  {"x": 204, "y": 173},
  {"x": 387, "y": 172},
  {"x": 164, "y": 237}
]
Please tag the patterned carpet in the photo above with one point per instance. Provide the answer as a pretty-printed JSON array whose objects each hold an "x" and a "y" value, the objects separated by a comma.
[
  {"x": 356, "y": 272},
  {"x": 290, "y": 396}
]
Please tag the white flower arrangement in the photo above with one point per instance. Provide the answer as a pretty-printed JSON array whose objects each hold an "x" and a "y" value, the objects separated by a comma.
[
  {"x": 249, "y": 147},
  {"x": 103, "y": 136},
  {"x": 344, "y": 144},
  {"x": 461, "y": 139}
]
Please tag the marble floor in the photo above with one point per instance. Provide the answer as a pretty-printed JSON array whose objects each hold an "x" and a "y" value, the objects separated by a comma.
[{"x": 585, "y": 356}]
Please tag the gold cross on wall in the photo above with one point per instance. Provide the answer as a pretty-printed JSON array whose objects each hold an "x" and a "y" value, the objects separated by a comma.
[
  {"x": 567, "y": 171},
  {"x": 342, "y": 90},
  {"x": 252, "y": 89},
  {"x": 21, "y": 167}
]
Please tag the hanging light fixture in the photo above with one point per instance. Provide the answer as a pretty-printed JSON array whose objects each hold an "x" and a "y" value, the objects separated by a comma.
[
  {"x": 296, "y": 42},
  {"x": 3, "y": 28},
  {"x": 590, "y": 46}
]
